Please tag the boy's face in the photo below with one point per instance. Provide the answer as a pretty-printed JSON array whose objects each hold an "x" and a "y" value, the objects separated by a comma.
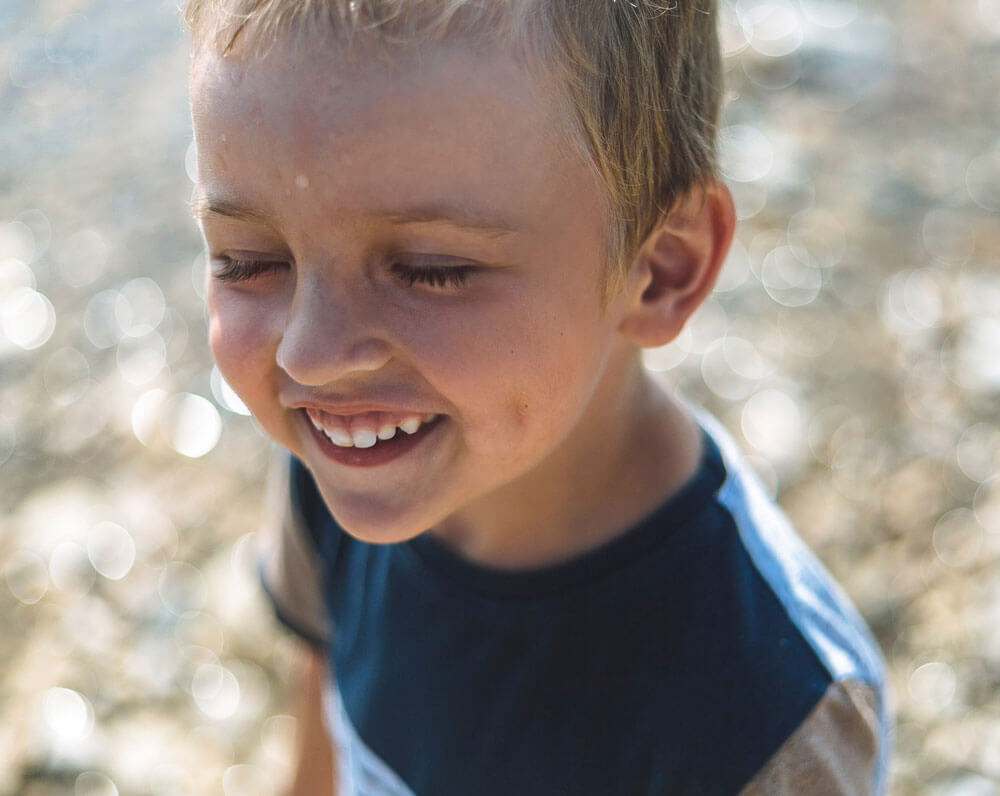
[{"x": 421, "y": 244}]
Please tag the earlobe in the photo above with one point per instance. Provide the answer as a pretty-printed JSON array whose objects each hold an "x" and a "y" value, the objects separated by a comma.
[{"x": 677, "y": 265}]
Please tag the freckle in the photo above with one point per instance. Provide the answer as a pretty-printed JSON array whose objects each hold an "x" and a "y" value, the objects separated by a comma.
[{"x": 302, "y": 181}]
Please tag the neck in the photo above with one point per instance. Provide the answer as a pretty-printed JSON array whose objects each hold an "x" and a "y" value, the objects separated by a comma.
[{"x": 633, "y": 449}]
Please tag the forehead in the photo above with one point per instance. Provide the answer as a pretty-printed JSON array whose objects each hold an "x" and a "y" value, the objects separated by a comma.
[{"x": 367, "y": 128}]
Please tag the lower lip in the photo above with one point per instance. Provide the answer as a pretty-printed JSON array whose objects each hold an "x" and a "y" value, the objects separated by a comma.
[{"x": 381, "y": 452}]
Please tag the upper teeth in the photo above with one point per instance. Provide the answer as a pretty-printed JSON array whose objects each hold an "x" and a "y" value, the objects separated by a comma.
[{"x": 345, "y": 434}]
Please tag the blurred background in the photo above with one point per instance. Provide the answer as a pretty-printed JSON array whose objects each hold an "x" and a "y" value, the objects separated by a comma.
[{"x": 852, "y": 346}]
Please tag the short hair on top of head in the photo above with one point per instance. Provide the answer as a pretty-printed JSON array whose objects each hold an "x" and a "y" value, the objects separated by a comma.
[{"x": 643, "y": 78}]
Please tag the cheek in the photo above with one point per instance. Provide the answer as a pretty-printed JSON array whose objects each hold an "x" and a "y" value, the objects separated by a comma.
[
  {"x": 512, "y": 369},
  {"x": 238, "y": 334}
]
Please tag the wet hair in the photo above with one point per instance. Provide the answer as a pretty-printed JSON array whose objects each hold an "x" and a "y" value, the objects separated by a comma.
[{"x": 642, "y": 78}]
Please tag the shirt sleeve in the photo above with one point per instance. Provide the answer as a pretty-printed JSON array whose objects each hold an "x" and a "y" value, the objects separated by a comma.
[
  {"x": 834, "y": 752},
  {"x": 289, "y": 564}
]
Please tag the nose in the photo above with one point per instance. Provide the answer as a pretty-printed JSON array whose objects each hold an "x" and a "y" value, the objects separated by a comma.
[{"x": 328, "y": 335}]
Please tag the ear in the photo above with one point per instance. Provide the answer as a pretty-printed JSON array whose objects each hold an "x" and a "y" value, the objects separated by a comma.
[{"x": 677, "y": 265}]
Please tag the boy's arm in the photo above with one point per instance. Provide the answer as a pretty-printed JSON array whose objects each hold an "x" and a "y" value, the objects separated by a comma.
[{"x": 315, "y": 759}]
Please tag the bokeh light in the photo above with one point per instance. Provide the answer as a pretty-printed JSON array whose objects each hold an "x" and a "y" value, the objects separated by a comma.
[
  {"x": 183, "y": 589},
  {"x": 27, "y": 318},
  {"x": 191, "y": 424},
  {"x": 215, "y": 690},
  {"x": 27, "y": 576},
  {"x": 94, "y": 783},
  {"x": 111, "y": 550},
  {"x": 745, "y": 153},
  {"x": 68, "y": 715}
]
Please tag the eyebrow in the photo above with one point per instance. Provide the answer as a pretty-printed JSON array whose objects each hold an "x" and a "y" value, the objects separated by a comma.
[
  {"x": 452, "y": 215},
  {"x": 431, "y": 213},
  {"x": 203, "y": 206}
]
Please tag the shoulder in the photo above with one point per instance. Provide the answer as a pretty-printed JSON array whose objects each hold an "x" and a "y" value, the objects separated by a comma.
[
  {"x": 846, "y": 726},
  {"x": 834, "y": 752}
]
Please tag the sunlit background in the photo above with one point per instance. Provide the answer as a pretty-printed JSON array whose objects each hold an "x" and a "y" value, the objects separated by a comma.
[{"x": 852, "y": 346}]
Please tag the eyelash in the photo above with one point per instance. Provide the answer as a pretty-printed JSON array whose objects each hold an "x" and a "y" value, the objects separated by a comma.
[
  {"x": 234, "y": 270},
  {"x": 434, "y": 276}
]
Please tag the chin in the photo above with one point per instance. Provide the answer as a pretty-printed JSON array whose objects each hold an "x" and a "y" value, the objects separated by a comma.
[{"x": 375, "y": 523}]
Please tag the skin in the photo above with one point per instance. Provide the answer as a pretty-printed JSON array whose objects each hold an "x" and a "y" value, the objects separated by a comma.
[{"x": 554, "y": 439}]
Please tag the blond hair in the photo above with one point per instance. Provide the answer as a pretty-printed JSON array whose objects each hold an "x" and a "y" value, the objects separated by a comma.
[{"x": 642, "y": 78}]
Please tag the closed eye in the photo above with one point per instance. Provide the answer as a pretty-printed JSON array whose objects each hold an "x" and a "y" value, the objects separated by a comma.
[
  {"x": 232, "y": 269},
  {"x": 434, "y": 275}
]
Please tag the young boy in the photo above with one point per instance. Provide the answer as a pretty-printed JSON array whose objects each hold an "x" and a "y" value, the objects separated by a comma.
[{"x": 439, "y": 234}]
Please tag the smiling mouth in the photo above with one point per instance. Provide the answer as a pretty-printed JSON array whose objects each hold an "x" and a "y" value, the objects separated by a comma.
[{"x": 368, "y": 440}]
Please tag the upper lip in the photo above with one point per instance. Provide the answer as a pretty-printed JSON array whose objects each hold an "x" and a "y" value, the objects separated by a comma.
[{"x": 356, "y": 407}]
